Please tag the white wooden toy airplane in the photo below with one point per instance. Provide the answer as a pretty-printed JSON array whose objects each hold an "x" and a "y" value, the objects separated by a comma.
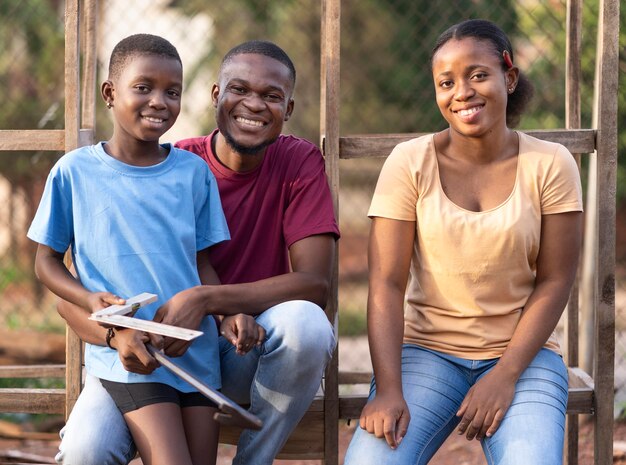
[{"x": 229, "y": 413}]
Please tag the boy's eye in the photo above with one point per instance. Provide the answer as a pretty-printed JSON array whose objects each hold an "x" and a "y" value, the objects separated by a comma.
[
  {"x": 174, "y": 93},
  {"x": 274, "y": 98},
  {"x": 445, "y": 84},
  {"x": 142, "y": 88},
  {"x": 237, "y": 89}
]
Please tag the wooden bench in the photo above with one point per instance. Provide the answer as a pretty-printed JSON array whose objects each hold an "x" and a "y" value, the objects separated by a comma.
[{"x": 317, "y": 434}]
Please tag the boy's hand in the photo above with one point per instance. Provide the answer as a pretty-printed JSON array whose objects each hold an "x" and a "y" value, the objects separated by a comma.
[
  {"x": 243, "y": 332},
  {"x": 99, "y": 300},
  {"x": 131, "y": 348}
]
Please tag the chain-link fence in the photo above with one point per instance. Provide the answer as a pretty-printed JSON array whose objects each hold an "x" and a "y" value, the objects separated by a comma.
[{"x": 386, "y": 87}]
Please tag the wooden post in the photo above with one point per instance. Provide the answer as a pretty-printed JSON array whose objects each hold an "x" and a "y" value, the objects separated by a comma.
[
  {"x": 605, "y": 120},
  {"x": 90, "y": 61},
  {"x": 573, "y": 77},
  {"x": 72, "y": 129},
  {"x": 329, "y": 134}
]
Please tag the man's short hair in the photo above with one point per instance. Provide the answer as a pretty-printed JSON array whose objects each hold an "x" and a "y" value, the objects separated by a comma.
[
  {"x": 139, "y": 44},
  {"x": 261, "y": 47}
]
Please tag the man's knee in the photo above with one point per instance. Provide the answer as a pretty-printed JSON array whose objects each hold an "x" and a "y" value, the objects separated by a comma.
[
  {"x": 96, "y": 432},
  {"x": 301, "y": 326}
]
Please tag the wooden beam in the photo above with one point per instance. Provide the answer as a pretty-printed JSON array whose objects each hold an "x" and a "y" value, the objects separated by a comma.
[
  {"x": 22, "y": 400},
  {"x": 32, "y": 371},
  {"x": 30, "y": 140},
  {"x": 381, "y": 145},
  {"x": 580, "y": 401}
]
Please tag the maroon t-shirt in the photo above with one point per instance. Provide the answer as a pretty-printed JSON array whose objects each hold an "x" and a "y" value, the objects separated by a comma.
[{"x": 285, "y": 199}]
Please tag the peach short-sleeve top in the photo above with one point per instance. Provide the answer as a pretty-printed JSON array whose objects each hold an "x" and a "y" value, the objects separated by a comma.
[{"x": 472, "y": 272}]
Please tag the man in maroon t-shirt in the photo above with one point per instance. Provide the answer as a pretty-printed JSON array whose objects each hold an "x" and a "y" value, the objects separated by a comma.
[{"x": 275, "y": 271}]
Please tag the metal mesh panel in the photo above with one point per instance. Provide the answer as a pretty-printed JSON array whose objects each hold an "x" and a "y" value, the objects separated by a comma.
[{"x": 386, "y": 87}]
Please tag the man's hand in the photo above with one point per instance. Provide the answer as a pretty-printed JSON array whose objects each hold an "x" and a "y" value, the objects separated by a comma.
[
  {"x": 485, "y": 405},
  {"x": 243, "y": 332},
  {"x": 386, "y": 417},
  {"x": 183, "y": 310},
  {"x": 131, "y": 348}
]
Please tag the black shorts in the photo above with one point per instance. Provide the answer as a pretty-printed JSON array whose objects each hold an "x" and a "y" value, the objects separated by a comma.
[{"x": 132, "y": 396}]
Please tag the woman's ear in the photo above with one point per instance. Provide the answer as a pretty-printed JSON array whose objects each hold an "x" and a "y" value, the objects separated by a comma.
[{"x": 512, "y": 77}]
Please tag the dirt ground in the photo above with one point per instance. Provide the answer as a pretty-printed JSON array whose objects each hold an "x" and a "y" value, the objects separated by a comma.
[{"x": 456, "y": 451}]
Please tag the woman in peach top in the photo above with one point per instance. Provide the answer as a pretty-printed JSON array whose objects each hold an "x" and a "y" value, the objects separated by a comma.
[{"x": 473, "y": 250}]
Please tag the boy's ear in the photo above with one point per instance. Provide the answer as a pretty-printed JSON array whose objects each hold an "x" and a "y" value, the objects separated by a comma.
[{"x": 107, "y": 92}]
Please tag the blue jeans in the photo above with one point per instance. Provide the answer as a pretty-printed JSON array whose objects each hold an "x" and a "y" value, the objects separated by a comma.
[
  {"x": 434, "y": 385},
  {"x": 279, "y": 380}
]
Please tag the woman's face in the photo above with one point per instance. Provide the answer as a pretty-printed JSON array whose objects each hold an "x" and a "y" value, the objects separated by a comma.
[{"x": 470, "y": 86}]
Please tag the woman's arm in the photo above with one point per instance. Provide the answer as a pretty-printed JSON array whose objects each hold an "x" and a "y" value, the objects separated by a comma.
[
  {"x": 389, "y": 258},
  {"x": 486, "y": 403}
]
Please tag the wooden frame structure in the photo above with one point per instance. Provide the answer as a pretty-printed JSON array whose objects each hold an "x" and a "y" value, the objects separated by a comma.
[{"x": 317, "y": 435}]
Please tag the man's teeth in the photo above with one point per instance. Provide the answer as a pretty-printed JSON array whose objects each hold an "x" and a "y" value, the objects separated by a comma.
[
  {"x": 469, "y": 111},
  {"x": 153, "y": 120},
  {"x": 249, "y": 121}
]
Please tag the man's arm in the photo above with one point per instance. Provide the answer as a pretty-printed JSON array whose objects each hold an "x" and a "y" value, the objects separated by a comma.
[{"x": 311, "y": 263}]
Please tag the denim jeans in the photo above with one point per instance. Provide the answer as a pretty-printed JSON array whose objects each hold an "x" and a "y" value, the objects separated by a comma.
[
  {"x": 278, "y": 379},
  {"x": 434, "y": 385}
]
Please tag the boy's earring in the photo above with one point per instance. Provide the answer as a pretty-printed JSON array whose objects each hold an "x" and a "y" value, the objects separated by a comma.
[{"x": 109, "y": 105}]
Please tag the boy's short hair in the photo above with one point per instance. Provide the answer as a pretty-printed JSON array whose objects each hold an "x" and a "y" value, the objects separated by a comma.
[
  {"x": 262, "y": 47},
  {"x": 139, "y": 44}
]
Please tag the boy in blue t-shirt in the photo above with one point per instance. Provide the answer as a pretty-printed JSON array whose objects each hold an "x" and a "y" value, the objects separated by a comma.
[{"x": 139, "y": 217}]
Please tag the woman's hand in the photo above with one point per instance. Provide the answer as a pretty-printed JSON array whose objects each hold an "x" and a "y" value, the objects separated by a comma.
[
  {"x": 388, "y": 417},
  {"x": 485, "y": 405},
  {"x": 131, "y": 348},
  {"x": 243, "y": 332}
]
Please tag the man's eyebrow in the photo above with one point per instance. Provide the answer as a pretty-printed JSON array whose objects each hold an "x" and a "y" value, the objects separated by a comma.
[{"x": 269, "y": 87}]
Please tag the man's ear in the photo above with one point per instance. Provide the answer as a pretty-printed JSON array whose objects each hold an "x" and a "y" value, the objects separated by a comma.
[
  {"x": 215, "y": 93},
  {"x": 289, "y": 111},
  {"x": 107, "y": 92}
]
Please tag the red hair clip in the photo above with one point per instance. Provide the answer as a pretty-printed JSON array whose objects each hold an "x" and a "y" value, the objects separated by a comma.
[{"x": 507, "y": 59}]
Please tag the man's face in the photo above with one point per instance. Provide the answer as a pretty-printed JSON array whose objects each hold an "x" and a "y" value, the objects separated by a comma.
[{"x": 253, "y": 99}]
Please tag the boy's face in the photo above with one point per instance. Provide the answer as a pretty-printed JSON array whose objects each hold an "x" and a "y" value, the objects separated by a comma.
[
  {"x": 146, "y": 97},
  {"x": 253, "y": 100}
]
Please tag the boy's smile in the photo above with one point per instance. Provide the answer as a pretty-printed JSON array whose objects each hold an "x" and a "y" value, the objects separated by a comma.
[{"x": 145, "y": 99}]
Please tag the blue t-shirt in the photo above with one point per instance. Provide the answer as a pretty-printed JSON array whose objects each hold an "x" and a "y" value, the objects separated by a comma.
[{"x": 132, "y": 230}]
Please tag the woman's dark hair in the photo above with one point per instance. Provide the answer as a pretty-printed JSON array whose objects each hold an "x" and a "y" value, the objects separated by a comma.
[{"x": 482, "y": 29}]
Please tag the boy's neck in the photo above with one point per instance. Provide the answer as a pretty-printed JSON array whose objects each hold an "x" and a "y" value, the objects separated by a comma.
[{"x": 139, "y": 153}]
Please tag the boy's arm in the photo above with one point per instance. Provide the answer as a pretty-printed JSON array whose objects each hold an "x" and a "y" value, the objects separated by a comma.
[{"x": 53, "y": 273}]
